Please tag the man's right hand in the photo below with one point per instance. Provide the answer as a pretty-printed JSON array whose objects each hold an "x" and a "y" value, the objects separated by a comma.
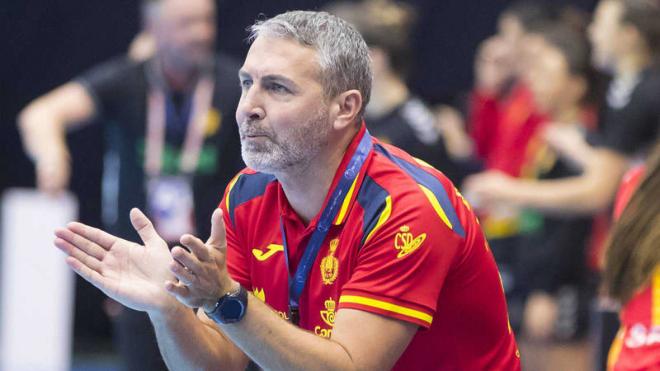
[{"x": 130, "y": 273}]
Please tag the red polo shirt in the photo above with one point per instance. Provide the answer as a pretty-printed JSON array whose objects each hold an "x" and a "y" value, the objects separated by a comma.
[
  {"x": 404, "y": 244},
  {"x": 637, "y": 344}
]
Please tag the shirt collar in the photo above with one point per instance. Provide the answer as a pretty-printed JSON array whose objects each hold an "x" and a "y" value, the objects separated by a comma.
[{"x": 287, "y": 212}]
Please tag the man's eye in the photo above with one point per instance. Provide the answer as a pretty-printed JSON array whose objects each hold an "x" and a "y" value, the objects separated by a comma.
[
  {"x": 280, "y": 89},
  {"x": 246, "y": 83}
]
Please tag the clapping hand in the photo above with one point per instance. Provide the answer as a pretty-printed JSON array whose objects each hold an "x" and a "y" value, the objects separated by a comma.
[
  {"x": 201, "y": 270},
  {"x": 130, "y": 273}
]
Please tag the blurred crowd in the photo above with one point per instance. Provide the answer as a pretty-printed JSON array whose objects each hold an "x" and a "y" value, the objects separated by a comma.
[{"x": 564, "y": 104}]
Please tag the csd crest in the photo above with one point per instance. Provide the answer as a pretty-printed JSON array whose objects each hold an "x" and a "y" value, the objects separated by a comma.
[
  {"x": 406, "y": 243},
  {"x": 330, "y": 264}
]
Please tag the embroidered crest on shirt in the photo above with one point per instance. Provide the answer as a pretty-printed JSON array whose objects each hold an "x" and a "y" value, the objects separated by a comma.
[
  {"x": 270, "y": 251},
  {"x": 330, "y": 264},
  {"x": 406, "y": 243},
  {"x": 328, "y": 316}
]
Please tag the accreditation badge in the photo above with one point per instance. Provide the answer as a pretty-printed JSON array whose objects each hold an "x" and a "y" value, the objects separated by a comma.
[{"x": 170, "y": 203}]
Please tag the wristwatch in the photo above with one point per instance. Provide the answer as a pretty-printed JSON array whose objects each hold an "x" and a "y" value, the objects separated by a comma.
[{"x": 231, "y": 307}]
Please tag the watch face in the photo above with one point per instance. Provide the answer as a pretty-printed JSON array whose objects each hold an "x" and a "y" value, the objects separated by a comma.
[{"x": 232, "y": 309}]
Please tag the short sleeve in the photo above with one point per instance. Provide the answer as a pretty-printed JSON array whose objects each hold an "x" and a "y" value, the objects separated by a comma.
[
  {"x": 402, "y": 267},
  {"x": 108, "y": 82},
  {"x": 631, "y": 124},
  {"x": 237, "y": 263}
]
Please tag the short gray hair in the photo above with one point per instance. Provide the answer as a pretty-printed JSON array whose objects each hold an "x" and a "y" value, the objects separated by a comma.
[{"x": 343, "y": 55}]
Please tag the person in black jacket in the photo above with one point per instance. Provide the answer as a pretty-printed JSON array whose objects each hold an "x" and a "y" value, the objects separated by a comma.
[{"x": 171, "y": 137}]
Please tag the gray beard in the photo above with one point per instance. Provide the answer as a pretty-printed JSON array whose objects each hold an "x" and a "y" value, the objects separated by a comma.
[{"x": 303, "y": 144}]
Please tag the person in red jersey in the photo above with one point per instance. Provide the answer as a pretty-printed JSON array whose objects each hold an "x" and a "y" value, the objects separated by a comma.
[
  {"x": 332, "y": 250},
  {"x": 632, "y": 269}
]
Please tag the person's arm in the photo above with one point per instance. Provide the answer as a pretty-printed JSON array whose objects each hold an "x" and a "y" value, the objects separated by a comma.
[
  {"x": 360, "y": 341},
  {"x": 43, "y": 125},
  {"x": 188, "y": 341},
  {"x": 268, "y": 339},
  {"x": 451, "y": 125},
  {"x": 135, "y": 276},
  {"x": 586, "y": 193},
  {"x": 570, "y": 143}
]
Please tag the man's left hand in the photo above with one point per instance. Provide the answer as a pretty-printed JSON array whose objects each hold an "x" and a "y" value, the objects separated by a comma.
[{"x": 202, "y": 269}]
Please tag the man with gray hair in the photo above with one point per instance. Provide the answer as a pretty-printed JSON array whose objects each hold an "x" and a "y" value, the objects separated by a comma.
[{"x": 331, "y": 250}]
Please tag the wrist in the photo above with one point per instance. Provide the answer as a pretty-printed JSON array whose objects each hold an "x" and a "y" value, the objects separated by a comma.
[
  {"x": 231, "y": 287},
  {"x": 171, "y": 309},
  {"x": 230, "y": 308}
]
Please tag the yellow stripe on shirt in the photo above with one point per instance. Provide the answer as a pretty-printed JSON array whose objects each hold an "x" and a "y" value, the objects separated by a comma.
[
  {"x": 655, "y": 297},
  {"x": 347, "y": 201},
  {"x": 382, "y": 218},
  {"x": 231, "y": 186},
  {"x": 615, "y": 348},
  {"x": 436, "y": 205},
  {"x": 386, "y": 306}
]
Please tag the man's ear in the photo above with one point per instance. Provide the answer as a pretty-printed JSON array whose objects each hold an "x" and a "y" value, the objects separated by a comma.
[{"x": 346, "y": 108}]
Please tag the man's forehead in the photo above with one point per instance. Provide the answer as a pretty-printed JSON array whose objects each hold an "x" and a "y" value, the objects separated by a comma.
[{"x": 270, "y": 55}]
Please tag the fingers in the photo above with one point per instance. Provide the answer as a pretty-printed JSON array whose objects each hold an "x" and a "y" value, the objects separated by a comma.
[
  {"x": 71, "y": 250},
  {"x": 196, "y": 246},
  {"x": 177, "y": 289},
  {"x": 143, "y": 226},
  {"x": 218, "y": 239},
  {"x": 91, "y": 276},
  {"x": 181, "y": 293},
  {"x": 181, "y": 273},
  {"x": 100, "y": 238},
  {"x": 77, "y": 242},
  {"x": 186, "y": 259}
]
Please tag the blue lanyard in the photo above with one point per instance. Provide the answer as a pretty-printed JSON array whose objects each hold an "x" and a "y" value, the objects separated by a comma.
[{"x": 297, "y": 282}]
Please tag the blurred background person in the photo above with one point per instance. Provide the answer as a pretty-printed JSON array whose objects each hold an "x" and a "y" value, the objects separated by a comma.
[
  {"x": 502, "y": 115},
  {"x": 551, "y": 262},
  {"x": 632, "y": 268},
  {"x": 394, "y": 114},
  {"x": 625, "y": 36},
  {"x": 502, "y": 118},
  {"x": 172, "y": 140}
]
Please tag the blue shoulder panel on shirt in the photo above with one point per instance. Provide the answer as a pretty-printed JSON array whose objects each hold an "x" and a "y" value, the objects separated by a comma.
[
  {"x": 246, "y": 188},
  {"x": 429, "y": 181},
  {"x": 372, "y": 198}
]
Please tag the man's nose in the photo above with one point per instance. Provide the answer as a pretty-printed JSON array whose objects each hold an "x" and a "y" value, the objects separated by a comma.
[{"x": 251, "y": 105}]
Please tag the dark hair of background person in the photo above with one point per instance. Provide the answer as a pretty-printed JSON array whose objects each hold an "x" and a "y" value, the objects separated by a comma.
[
  {"x": 530, "y": 14},
  {"x": 568, "y": 35},
  {"x": 387, "y": 25},
  {"x": 633, "y": 247},
  {"x": 644, "y": 15}
]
